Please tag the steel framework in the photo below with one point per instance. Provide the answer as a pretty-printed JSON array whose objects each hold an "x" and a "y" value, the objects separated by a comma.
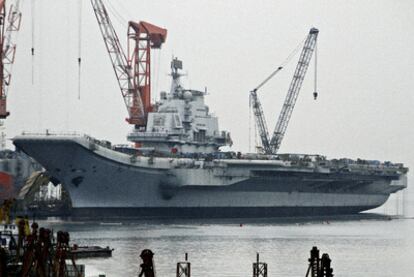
[
  {"x": 133, "y": 72},
  {"x": 184, "y": 268},
  {"x": 142, "y": 37},
  {"x": 9, "y": 27},
  {"x": 260, "y": 120},
  {"x": 293, "y": 91},
  {"x": 259, "y": 268},
  {"x": 119, "y": 63}
]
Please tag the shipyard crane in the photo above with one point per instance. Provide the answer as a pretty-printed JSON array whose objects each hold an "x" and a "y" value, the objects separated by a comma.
[
  {"x": 294, "y": 89},
  {"x": 9, "y": 27},
  {"x": 272, "y": 146},
  {"x": 133, "y": 71},
  {"x": 259, "y": 115}
]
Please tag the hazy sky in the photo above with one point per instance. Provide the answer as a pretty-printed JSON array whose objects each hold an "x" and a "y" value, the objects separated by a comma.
[{"x": 365, "y": 56}]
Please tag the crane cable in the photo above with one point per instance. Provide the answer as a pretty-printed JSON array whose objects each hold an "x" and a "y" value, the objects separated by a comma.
[
  {"x": 293, "y": 53},
  {"x": 157, "y": 54},
  {"x": 282, "y": 65},
  {"x": 315, "y": 85},
  {"x": 250, "y": 122},
  {"x": 32, "y": 6},
  {"x": 79, "y": 47},
  {"x": 124, "y": 9},
  {"x": 118, "y": 17}
]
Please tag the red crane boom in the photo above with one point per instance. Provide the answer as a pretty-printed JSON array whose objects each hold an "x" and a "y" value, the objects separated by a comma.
[
  {"x": 142, "y": 37},
  {"x": 9, "y": 26},
  {"x": 133, "y": 71}
]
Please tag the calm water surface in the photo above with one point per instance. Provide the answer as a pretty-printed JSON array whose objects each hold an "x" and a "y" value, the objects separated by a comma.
[{"x": 360, "y": 246}]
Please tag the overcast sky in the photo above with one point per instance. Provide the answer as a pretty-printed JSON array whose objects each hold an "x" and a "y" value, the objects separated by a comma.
[{"x": 365, "y": 57}]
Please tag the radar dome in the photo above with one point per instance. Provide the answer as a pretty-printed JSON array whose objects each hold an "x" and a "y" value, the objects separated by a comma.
[{"x": 188, "y": 95}]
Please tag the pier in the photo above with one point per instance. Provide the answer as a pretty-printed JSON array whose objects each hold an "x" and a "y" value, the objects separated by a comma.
[
  {"x": 34, "y": 251},
  {"x": 37, "y": 251},
  {"x": 318, "y": 266}
]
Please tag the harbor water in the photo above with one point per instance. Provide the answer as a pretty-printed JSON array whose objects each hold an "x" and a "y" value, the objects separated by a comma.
[{"x": 362, "y": 245}]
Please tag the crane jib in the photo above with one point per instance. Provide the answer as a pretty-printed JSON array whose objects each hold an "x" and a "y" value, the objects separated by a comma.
[
  {"x": 272, "y": 146},
  {"x": 9, "y": 28},
  {"x": 132, "y": 70},
  {"x": 293, "y": 91}
]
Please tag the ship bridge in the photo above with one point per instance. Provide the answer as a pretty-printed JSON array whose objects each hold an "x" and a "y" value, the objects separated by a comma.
[{"x": 181, "y": 122}]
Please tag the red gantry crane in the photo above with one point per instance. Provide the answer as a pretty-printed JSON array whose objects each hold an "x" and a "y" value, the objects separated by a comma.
[
  {"x": 272, "y": 146},
  {"x": 133, "y": 71},
  {"x": 9, "y": 26}
]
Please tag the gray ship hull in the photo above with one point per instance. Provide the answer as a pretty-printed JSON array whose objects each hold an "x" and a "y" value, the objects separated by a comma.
[{"x": 102, "y": 180}]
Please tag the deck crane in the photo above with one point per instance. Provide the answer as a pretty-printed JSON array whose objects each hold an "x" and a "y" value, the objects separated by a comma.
[
  {"x": 133, "y": 71},
  {"x": 294, "y": 89},
  {"x": 258, "y": 112},
  {"x": 272, "y": 146},
  {"x": 9, "y": 27}
]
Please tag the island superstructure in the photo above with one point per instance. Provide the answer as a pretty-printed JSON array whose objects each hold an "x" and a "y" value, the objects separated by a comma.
[{"x": 182, "y": 122}]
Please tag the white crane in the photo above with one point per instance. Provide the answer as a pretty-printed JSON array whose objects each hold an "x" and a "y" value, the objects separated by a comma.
[
  {"x": 272, "y": 146},
  {"x": 258, "y": 113}
]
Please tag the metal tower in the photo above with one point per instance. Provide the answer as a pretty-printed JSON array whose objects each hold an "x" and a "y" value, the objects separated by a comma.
[{"x": 133, "y": 71}]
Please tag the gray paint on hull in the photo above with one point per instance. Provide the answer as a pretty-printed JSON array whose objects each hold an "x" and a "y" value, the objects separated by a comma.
[
  {"x": 215, "y": 212},
  {"x": 102, "y": 182}
]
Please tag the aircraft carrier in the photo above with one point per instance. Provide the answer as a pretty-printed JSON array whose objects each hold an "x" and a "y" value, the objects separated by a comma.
[{"x": 178, "y": 170}]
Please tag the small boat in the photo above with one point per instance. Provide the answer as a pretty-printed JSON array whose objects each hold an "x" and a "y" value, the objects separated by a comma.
[{"x": 81, "y": 252}]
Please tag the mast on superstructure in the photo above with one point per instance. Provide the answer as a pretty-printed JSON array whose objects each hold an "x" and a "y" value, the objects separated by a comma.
[{"x": 176, "y": 65}]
